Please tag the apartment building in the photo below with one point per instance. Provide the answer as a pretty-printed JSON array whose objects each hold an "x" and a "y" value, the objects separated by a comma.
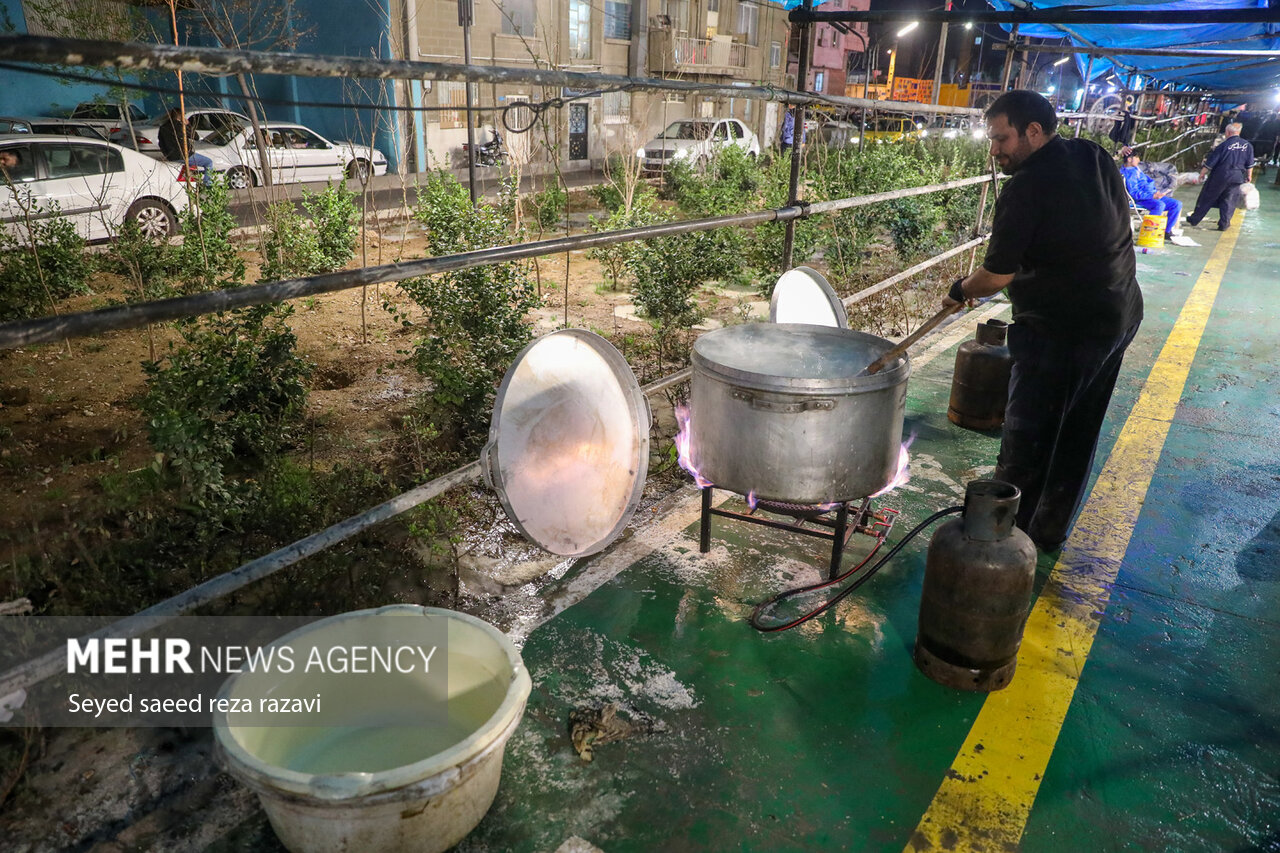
[{"x": 721, "y": 41}]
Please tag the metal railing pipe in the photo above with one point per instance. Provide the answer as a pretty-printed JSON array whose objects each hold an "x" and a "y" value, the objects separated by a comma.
[
  {"x": 47, "y": 329},
  {"x": 135, "y": 56},
  {"x": 20, "y": 678},
  {"x": 910, "y": 271}
]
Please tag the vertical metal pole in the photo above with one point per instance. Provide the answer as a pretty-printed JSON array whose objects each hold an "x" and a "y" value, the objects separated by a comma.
[
  {"x": 1008, "y": 59},
  {"x": 704, "y": 526},
  {"x": 797, "y": 137},
  {"x": 942, "y": 55},
  {"x": 1084, "y": 102},
  {"x": 977, "y": 226},
  {"x": 839, "y": 537},
  {"x": 872, "y": 60},
  {"x": 465, "y": 19}
]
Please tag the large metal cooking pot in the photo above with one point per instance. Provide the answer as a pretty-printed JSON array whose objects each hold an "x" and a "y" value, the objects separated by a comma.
[{"x": 780, "y": 410}]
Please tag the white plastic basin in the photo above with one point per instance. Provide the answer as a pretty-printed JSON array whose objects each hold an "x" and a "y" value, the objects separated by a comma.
[{"x": 387, "y": 782}]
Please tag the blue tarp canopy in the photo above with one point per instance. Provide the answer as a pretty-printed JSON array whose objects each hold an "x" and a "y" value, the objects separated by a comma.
[{"x": 1234, "y": 74}]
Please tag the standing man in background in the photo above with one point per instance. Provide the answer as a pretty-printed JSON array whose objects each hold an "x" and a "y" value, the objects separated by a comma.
[
  {"x": 1062, "y": 245},
  {"x": 1229, "y": 165},
  {"x": 788, "y": 129}
]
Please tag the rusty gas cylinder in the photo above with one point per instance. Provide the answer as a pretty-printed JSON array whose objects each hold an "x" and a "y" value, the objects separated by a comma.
[
  {"x": 980, "y": 386},
  {"x": 978, "y": 581}
]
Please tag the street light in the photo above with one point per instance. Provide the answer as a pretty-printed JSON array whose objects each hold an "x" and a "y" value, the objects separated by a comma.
[
  {"x": 1062, "y": 60},
  {"x": 893, "y": 53}
]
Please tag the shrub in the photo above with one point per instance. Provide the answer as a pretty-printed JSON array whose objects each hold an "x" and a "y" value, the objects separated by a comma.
[
  {"x": 289, "y": 245},
  {"x": 765, "y": 243},
  {"x": 607, "y": 196},
  {"x": 549, "y": 205},
  {"x": 48, "y": 264},
  {"x": 148, "y": 264},
  {"x": 336, "y": 220},
  {"x": 474, "y": 324},
  {"x": 614, "y": 257},
  {"x": 230, "y": 391},
  {"x": 207, "y": 259},
  {"x": 668, "y": 271}
]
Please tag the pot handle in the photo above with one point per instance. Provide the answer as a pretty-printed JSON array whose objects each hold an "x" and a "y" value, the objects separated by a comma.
[
  {"x": 488, "y": 464},
  {"x": 790, "y": 407}
]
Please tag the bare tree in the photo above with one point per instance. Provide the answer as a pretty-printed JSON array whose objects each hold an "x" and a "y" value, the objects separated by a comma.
[{"x": 250, "y": 25}]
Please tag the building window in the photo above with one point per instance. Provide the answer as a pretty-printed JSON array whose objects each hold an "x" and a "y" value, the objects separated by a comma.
[
  {"x": 617, "y": 20},
  {"x": 819, "y": 80},
  {"x": 678, "y": 12},
  {"x": 452, "y": 94},
  {"x": 517, "y": 17},
  {"x": 775, "y": 54},
  {"x": 749, "y": 22},
  {"x": 579, "y": 29},
  {"x": 615, "y": 107}
]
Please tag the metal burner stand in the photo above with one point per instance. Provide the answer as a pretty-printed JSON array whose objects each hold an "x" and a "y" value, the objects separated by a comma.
[{"x": 842, "y": 527}]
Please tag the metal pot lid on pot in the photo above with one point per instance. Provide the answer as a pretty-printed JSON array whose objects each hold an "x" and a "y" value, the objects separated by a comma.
[
  {"x": 802, "y": 295},
  {"x": 569, "y": 442},
  {"x": 795, "y": 358}
]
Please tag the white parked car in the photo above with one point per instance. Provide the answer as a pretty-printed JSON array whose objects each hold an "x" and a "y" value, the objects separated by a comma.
[
  {"x": 96, "y": 185},
  {"x": 108, "y": 118},
  {"x": 201, "y": 123},
  {"x": 696, "y": 140},
  {"x": 295, "y": 153}
]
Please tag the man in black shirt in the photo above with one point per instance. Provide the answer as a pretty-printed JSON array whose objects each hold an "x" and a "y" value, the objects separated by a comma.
[
  {"x": 176, "y": 145},
  {"x": 1062, "y": 244},
  {"x": 1232, "y": 165}
]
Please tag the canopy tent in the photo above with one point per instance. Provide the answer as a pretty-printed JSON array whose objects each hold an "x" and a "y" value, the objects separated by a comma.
[{"x": 1259, "y": 73}]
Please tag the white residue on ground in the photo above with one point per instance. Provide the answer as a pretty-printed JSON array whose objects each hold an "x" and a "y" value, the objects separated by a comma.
[{"x": 592, "y": 669}]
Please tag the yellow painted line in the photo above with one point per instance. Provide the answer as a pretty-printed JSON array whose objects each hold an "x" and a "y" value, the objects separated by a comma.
[{"x": 985, "y": 801}]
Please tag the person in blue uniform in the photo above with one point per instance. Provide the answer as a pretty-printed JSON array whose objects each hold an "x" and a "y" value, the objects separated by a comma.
[
  {"x": 788, "y": 130},
  {"x": 1144, "y": 194},
  {"x": 1062, "y": 245},
  {"x": 1228, "y": 166}
]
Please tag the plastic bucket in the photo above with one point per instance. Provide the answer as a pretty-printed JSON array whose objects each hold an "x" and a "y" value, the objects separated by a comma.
[
  {"x": 387, "y": 782},
  {"x": 1151, "y": 234}
]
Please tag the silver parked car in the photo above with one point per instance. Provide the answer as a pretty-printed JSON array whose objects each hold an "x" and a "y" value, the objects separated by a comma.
[
  {"x": 295, "y": 154},
  {"x": 201, "y": 124},
  {"x": 96, "y": 185}
]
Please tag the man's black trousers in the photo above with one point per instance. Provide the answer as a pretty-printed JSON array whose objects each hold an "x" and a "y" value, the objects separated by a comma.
[
  {"x": 1216, "y": 192},
  {"x": 1058, "y": 396}
]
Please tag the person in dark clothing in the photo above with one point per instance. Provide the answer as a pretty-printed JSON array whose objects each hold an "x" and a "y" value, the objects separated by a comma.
[
  {"x": 174, "y": 142},
  {"x": 1250, "y": 124},
  {"x": 1229, "y": 165},
  {"x": 1264, "y": 147},
  {"x": 1062, "y": 245}
]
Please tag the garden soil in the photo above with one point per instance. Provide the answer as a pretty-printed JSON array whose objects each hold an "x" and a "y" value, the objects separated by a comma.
[{"x": 69, "y": 419}]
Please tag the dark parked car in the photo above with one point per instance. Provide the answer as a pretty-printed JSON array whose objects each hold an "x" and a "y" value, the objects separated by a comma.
[{"x": 44, "y": 124}]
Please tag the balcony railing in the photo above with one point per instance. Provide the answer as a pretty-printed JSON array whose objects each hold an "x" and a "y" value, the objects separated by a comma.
[{"x": 694, "y": 53}]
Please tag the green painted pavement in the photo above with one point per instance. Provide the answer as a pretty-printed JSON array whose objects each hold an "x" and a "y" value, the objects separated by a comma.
[{"x": 826, "y": 737}]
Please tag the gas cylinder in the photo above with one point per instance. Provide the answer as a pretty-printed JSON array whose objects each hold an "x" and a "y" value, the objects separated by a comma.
[
  {"x": 980, "y": 386},
  {"x": 978, "y": 580}
]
